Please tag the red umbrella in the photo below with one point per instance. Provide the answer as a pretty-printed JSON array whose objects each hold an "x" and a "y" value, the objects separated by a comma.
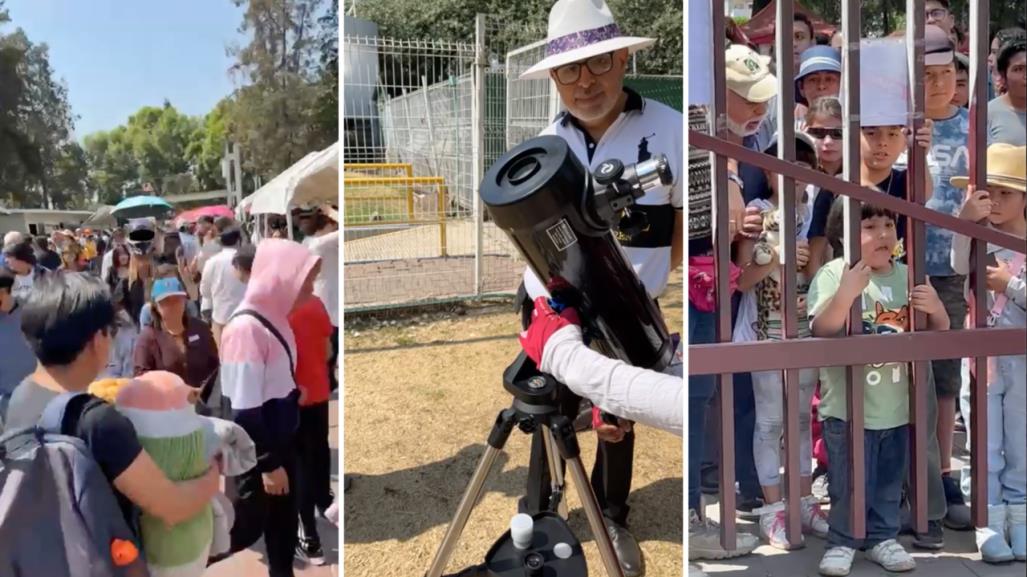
[{"x": 211, "y": 211}]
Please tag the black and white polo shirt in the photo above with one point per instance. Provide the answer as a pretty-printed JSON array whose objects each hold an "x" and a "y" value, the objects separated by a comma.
[{"x": 645, "y": 128}]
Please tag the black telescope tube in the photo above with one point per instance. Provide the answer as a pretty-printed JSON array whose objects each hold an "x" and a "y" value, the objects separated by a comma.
[{"x": 540, "y": 195}]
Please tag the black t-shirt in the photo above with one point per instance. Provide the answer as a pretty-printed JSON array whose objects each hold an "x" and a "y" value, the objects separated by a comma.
[
  {"x": 108, "y": 434},
  {"x": 894, "y": 184}
]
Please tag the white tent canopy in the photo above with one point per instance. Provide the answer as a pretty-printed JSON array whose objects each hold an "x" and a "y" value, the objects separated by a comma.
[
  {"x": 102, "y": 217},
  {"x": 312, "y": 180}
]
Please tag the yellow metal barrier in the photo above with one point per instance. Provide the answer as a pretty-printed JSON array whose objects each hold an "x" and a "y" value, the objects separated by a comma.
[
  {"x": 405, "y": 167},
  {"x": 409, "y": 183}
]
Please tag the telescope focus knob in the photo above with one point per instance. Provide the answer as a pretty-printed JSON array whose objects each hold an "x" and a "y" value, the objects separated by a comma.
[{"x": 609, "y": 172}]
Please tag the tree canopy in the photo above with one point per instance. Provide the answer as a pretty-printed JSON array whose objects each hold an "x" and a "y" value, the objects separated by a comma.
[
  {"x": 454, "y": 20},
  {"x": 285, "y": 107}
]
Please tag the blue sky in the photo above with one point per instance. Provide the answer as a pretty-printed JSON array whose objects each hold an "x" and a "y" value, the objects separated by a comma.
[{"x": 119, "y": 55}]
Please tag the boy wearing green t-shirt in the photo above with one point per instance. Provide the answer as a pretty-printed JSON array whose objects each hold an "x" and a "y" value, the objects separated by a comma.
[{"x": 881, "y": 283}]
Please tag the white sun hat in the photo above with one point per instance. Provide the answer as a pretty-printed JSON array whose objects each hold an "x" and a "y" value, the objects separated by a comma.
[{"x": 580, "y": 29}]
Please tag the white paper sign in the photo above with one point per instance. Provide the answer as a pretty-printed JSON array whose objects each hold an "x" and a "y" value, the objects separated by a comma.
[
  {"x": 700, "y": 53},
  {"x": 883, "y": 82}
]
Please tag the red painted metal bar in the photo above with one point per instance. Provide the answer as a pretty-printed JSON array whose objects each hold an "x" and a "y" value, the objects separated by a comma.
[
  {"x": 916, "y": 247},
  {"x": 854, "y": 374},
  {"x": 838, "y": 186},
  {"x": 855, "y": 350},
  {"x": 786, "y": 199},
  {"x": 722, "y": 262},
  {"x": 979, "y": 47}
]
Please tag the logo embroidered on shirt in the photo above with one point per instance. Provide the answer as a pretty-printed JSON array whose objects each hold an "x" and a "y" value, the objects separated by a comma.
[{"x": 643, "y": 148}]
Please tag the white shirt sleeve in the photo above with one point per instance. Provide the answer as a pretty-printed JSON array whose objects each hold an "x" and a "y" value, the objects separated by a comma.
[
  {"x": 107, "y": 263},
  {"x": 641, "y": 395},
  {"x": 206, "y": 287},
  {"x": 960, "y": 254}
]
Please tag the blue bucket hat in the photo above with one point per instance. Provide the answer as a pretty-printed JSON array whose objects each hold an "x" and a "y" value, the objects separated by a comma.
[
  {"x": 167, "y": 287},
  {"x": 816, "y": 59}
]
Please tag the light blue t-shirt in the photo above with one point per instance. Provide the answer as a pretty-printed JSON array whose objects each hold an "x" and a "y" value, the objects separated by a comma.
[{"x": 949, "y": 156}]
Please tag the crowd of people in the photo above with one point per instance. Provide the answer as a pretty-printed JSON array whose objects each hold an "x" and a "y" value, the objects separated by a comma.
[
  {"x": 827, "y": 286},
  {"x": 247, "y": 327}
]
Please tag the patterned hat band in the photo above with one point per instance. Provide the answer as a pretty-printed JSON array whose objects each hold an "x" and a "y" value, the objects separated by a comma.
[{"x": 581, "y": 39}]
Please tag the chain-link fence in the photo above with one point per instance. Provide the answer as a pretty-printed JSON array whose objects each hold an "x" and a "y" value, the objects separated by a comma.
[{"x": 424, "y": 120}]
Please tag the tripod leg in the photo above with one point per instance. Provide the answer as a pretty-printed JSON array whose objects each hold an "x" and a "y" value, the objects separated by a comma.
[
  {"x": 565, "y": 438},
  {"x": 497, "y": 439},
  {"x": 555, "y": 474}
]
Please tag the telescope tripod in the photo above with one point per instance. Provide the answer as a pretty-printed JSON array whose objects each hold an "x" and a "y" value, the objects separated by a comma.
[{"x": 534, "y": 409}]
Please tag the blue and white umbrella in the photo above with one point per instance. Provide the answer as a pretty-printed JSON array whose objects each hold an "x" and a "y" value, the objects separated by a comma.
[{"x": 142, "y": 207}]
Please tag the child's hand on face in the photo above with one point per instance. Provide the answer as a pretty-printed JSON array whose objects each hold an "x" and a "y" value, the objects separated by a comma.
[
  {"x": 999, "y": 277},
  {"x": 977, "y": 205},
  {"x": 854, "y": 280},
  {"x": 925, "y": 134},
  {"x": 925, "y": 299}
]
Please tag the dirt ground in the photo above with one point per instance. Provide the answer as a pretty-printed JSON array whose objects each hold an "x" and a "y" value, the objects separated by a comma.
[{"x": 421, "y": 394}]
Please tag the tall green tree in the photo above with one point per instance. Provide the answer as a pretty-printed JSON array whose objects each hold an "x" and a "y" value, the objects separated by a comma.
[
  {"x": 156, "y": 147},
  {"x": 38, "y": 165},
  {"x": 207, "y": 146},
  {"x": 326, "y": 112},
  {"x": 274, "y": 116}
]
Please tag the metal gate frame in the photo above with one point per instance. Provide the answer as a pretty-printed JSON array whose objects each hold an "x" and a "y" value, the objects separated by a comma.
[{"x": 918, "y": 346}]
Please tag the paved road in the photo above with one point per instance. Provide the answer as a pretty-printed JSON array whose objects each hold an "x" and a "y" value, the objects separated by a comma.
[
  {"x": 959, "y": 558},
  {"x": 251, "y": 563}
]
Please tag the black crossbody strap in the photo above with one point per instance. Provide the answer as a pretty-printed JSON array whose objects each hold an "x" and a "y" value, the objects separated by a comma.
[{"x": 267, "y": 325}]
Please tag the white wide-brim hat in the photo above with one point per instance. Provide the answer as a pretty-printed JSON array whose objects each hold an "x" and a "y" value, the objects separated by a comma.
[{"x": 580, "y": 29}]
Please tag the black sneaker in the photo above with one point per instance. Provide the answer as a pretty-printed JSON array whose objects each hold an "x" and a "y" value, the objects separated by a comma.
[
  {"x": 310, "y": 551},
  {"x": 709, "y": 480},
  {"x": 933, "y": 539},
  {"x": 746, "y": 508},
  {"x": 958, "y": 516}
]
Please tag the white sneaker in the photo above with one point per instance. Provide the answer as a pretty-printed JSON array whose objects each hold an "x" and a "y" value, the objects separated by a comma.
[
  {"x": 773, "y": 520},
  {"x": 991, "y": 540},
  {"x": 837, "y": 561},
  {"x": 814, "y": 520},
  {"x": 704, "y": 541},
  {"x": 694, "y": 571},
  {"x": 890, "y": 555}
]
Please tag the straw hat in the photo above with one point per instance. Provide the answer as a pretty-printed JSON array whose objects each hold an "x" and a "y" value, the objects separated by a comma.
[
  {"x": 581, "y": 29},
  {"x": 1007, "y": 167}
]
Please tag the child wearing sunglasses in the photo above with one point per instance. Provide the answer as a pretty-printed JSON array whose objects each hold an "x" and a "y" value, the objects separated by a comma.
[{"x": 824, "y": 125}]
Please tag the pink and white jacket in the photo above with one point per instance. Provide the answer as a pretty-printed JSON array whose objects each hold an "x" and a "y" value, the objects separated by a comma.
[{"x": 255, "y": 371}]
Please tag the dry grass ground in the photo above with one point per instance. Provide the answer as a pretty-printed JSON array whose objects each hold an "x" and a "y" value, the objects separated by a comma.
[{"x": 421, "y": 394}]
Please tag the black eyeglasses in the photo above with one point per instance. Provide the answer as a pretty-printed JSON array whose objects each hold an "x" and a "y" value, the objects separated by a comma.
[
  {"x": 937, "y": 13},
  {"x": 822, "y": 133},
  {"x": 597, "y": 65}
]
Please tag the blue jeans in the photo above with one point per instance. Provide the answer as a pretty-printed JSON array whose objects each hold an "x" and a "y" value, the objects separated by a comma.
[
  {"x": 886, "y": 458},
  {"x": 1007, "y": 429},
  {"x": 701, "y": 331},
  {"x": 745, "y": 427}
]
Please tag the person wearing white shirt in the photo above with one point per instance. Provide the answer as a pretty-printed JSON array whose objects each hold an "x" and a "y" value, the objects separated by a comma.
[
  {"x": 586, "y": 60},
  {"x": 221, "y": 291}
]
